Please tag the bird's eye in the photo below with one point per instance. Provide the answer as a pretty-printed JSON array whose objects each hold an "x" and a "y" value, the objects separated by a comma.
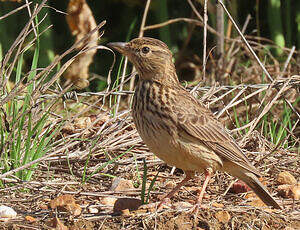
[{"x": 145, "y": 49}]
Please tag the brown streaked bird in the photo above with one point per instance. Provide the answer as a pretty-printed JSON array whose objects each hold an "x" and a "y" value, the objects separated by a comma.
[{"x": 176, "y": 127}]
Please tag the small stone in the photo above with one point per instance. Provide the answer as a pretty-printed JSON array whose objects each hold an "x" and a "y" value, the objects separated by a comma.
[
  {"x": 93, "y": 210},
  {"x": 7, "y": 213},
  {"x": 125, "y": 212},
  {"x": 127, "y": 203},
  {"x": 109, "y": 201},
  {"x": 75, "y": 209},
  {"x": 120, "y": 184}
]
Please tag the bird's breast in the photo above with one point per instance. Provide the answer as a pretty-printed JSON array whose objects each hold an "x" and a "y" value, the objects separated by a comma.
[{"x": 158, "y": 128}]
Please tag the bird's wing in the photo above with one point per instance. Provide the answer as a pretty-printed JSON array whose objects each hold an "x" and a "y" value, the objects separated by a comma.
[{"x": 197, "y": 123}]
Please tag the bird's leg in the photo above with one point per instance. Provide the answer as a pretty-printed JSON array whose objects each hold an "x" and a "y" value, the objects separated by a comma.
[
  {"x": 188, "y": 175},
  {"x": 208, "y": 173}
]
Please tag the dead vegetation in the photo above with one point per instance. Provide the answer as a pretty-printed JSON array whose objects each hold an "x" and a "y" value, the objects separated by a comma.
[{"x": 93, "y": 142}]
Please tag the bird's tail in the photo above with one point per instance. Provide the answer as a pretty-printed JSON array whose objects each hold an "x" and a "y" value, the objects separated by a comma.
[{"x": 261, "y": 191}]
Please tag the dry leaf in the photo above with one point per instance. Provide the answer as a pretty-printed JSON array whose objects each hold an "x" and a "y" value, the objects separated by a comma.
[
  {"x": 284, "y": 190},
  {"x": 109, "y": 201},
  {"x": 30, "y": 219},
  {"x": 81, "y": 21},
  {"x": 296, "y": 192},
  {"x": 286, "y": 178},
  {"x": 223, "y": 216},
  {"x": 289, "y": 191},
  {"x": 67, "y": 202},
  {"x": 93, "y": 210}
]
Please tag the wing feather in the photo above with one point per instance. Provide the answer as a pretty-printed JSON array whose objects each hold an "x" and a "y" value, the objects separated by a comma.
[{"x": 209, "y": 131}]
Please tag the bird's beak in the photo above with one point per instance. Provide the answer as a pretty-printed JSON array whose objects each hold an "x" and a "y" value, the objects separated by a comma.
[{"x": 118, "y": 46}]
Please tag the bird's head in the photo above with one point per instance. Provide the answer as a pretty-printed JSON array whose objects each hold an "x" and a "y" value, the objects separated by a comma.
[{"x": 151, "y": 57}]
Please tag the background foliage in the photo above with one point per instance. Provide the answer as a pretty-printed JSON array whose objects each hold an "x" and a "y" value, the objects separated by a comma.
[{"x": 276, "y": 20}]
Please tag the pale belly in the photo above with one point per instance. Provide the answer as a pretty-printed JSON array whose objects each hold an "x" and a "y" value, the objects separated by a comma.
[{"x": 175, "y": 151}]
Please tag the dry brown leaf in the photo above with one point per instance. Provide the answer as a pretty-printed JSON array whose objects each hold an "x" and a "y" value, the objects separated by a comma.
[
  {"x": 81, "y": 21},
  {"x": 67, "y": 202},
  {"x": 284, "y": 190},
  {"x": 286, "y": 178},
  {"x": 223, "y": 216},
  {"x": 289, "y": 191},
  {"x": 30, "y": 219},
  {"x": 296, "y": 192}
]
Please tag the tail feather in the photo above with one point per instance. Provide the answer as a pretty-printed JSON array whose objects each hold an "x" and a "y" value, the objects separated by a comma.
[{"x": 261, "y": 191}]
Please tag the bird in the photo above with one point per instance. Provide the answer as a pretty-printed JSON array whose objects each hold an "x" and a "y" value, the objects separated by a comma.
[{"x": 178, "y": 128}]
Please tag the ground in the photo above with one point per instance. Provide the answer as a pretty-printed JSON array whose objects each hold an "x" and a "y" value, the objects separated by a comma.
[{"x": 223, "y": 207}]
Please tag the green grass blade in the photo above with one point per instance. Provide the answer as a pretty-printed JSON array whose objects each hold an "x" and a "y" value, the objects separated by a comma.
[
  {"x": 143, "y": 190},
  {"x": 151, "y": 186}
]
